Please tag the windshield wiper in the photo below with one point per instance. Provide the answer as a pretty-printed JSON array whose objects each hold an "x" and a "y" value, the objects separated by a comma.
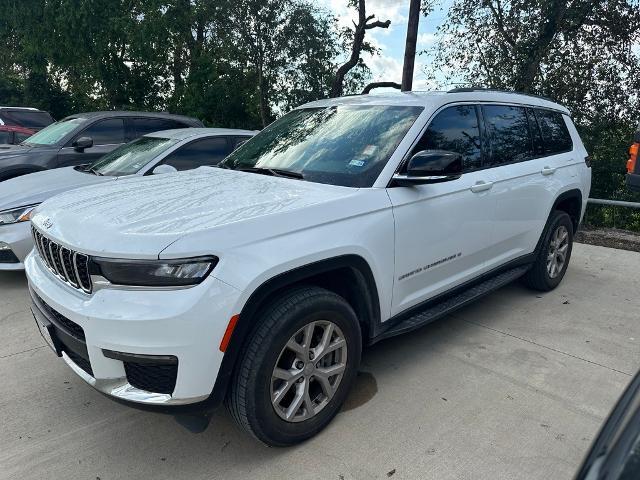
[
  {"x": 94, "y": 171},
  {"x": 274, "y": 172}
]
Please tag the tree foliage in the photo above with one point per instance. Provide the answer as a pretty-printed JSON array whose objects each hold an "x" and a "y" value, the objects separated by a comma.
[
  {"x": 584, "y": 54},
  {"x": 231, "y": 63}
]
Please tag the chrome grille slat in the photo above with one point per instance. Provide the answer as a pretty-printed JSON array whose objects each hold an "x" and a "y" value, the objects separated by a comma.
[
  {"x": 66, "y": 257},
  {"x": 69, "y": 266}
]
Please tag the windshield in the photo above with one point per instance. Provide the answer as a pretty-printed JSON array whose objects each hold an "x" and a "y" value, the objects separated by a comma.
[
  {"x": 55, "y": 132},
  {"x": 345, "y": 145},
  {"x": 129, "y": 158}
]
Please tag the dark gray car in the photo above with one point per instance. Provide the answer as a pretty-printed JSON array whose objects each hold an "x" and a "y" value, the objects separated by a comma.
[{"x": 82, "y": 138}]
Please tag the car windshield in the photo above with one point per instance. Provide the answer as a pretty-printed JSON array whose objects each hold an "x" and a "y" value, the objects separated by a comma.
[
  {"x": 129, "y": 158},
  {"x": 346, "y": 145},
  {"x": 55, "y": 132}
]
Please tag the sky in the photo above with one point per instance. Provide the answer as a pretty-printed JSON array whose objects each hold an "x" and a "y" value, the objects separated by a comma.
[{"x": 387, "y": 65}]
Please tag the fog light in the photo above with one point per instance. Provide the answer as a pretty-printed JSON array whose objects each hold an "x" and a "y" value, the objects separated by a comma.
[{"x": 7, "y": 255}]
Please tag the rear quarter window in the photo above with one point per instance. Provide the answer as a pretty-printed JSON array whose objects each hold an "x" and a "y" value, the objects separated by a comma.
[{"x": 555, "y": 134}]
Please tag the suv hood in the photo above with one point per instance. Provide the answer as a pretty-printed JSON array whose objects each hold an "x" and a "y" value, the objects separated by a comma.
[
  {"x": 139, "y": 217},
  {"x": 39, "y": 186}
]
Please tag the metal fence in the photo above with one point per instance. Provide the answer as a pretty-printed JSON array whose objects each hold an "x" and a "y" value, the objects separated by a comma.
[
  {"x": 613, "y": 203},
  {"x": 616, "y": 219}
]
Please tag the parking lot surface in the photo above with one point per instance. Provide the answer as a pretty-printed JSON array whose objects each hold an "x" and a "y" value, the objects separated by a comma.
[{"x": 514, "y": 386}]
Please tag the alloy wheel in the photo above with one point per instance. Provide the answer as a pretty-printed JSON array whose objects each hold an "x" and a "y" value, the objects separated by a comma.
[
  {"x": 308, "y": 371},
  {"x": 557, "y": 254}
]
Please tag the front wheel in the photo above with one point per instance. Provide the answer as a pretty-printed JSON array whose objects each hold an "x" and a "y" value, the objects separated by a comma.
[
  {"x": 297, "y": 367},
  {"x": 553, "y": 256}
]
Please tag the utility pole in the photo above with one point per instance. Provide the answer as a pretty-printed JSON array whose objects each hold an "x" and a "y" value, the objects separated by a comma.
[{"x": 410, "y": 45}]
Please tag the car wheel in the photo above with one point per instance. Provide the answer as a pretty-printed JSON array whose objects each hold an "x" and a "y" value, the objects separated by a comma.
[
  {"x": 297, "y": 367},
  {"x": 553, "y": 255}
]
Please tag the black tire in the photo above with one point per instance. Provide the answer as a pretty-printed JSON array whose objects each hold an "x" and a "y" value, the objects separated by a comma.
[
  {"x": 249, "y": 399},
  {"x": 539, "y": 277}
]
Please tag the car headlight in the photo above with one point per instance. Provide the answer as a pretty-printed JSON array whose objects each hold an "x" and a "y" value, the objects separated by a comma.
[
  {"x": 16, "y": 215},
  {"x": 155, "y": 273}
]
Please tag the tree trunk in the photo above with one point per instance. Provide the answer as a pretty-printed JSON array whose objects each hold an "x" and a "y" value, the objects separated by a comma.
[
  {"x": 410, "y": 46},
  {"x": 358, "y": 39}
]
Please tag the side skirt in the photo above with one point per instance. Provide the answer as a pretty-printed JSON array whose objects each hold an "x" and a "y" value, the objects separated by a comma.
[{"x": 447, "y": 302}]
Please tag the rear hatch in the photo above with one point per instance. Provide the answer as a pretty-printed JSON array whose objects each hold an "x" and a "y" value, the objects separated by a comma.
[{"x": 34, "y": 119}]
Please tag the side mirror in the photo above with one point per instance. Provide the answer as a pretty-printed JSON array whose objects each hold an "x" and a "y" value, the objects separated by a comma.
[
  {"x": 164, "y": 168},
  {"x": 431, "y": 166},
  {"x": 83, "y": 142}
]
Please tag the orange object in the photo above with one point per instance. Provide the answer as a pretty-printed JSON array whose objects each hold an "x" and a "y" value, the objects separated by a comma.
[
  {"x": 633, "y": 157},
  {"x": 228, "y": 332}
]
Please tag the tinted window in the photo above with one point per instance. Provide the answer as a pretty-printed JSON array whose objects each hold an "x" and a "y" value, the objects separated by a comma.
[
  {"x": 26, "y": 118},
  {"x": 455, "y": 129},
  {"x": 5, "y": 137},
  {"x": 149, "y": 125},
  {"x": 105, "y": 132},
  {"x": 554, "y": 131},
  {"x": 509, "y": 132},
  {"x": 237, "y": 141},
  {"x": 340, "y": 145},
  {"x": 209, "y": 151}
]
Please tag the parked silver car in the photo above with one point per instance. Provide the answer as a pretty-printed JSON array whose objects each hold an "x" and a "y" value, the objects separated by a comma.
[{"x": 159, "y": 152}]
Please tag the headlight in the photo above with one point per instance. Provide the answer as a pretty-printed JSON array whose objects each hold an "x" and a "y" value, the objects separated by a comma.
[
  {"x": 155, "y": 273},
  {"x": 16, "y": 215}
]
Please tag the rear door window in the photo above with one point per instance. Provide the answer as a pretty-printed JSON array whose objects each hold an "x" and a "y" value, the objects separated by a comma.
[
  {"x": 105, "y": 132},
  {"x": 555, "y": 134},
  {"x": 508, "y": 129},
  {"x": 204, "y": 152},
  {"x": 455, "y": 129},
  {"x": 5, "y": 137}
]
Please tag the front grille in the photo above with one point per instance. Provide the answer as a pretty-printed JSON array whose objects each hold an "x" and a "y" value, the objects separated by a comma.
[
  {"x": 79, "y": 361},
  {"x": 7, "y": 256},
  {"x": 152, "y": 378},
  {"x": 70, "y": 327},
  {"x": 69, "y": 266}
]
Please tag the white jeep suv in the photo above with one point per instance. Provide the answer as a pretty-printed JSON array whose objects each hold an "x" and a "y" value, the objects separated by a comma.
[{"x": 345, "y": 222}]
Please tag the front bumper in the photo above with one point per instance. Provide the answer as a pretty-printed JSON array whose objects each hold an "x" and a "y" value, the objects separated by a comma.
[
  {"x": 186, "y": 324},
  {"x": 18, "y": 237},
  {"x": 633, "y": 181}
]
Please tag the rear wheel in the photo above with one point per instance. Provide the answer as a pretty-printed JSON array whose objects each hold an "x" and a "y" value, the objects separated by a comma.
[
  {"x": 297, "y": 367},
  {"x": 553, "y": 256}
]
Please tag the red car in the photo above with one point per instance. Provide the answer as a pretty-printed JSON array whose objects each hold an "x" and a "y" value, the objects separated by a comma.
[{"x": 12, "y": 135}]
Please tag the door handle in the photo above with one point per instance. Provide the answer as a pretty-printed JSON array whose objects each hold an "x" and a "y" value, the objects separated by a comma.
[
  {"x": 481, "y": 186},
  {"x": 548, "y": 171}
]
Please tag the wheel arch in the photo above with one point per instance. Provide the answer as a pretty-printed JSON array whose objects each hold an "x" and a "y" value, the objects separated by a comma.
[
  {"x": 350, "y": 276},
  {"x": 571, "y": 203}
]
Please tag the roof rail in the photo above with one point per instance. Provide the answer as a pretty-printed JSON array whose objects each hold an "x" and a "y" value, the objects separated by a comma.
[{"x": 497, "y": 90}]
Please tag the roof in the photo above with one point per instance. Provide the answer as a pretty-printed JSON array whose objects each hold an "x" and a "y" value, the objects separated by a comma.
[
  {"x": 3, "y": 107},
  {"x": 437, "y": 98},
  {"x": 130, "y": 113},
  {"x": 183, "y": 133}
]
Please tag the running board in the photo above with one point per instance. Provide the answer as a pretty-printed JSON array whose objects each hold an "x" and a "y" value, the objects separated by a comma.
[{"x": 450, "y": 303}]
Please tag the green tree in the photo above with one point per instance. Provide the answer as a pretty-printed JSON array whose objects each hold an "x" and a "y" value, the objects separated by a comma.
[{"x": 584, "y": 54}]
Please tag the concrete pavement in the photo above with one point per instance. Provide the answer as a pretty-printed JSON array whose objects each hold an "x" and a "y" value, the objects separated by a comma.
[{"x": 515, "y": 386}]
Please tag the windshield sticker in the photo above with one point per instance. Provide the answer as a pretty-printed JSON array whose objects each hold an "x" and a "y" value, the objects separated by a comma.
[
  {"x": 431, "y": 265},
  {"x": 357, "y": 163},
  {"x": 370, "y": 150}
]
